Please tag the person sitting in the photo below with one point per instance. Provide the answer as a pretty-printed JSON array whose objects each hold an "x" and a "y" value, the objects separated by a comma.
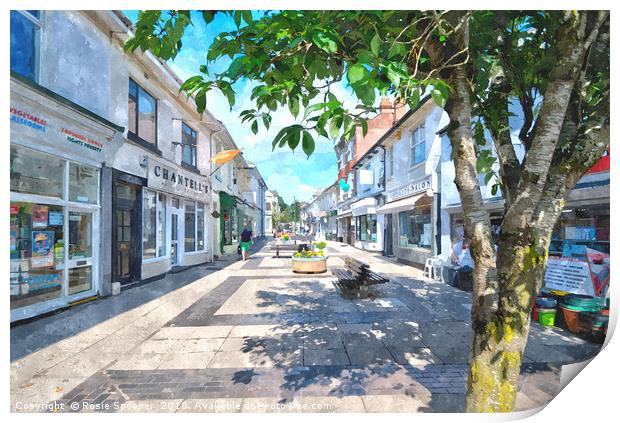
[{"x": 463, "y": 262}]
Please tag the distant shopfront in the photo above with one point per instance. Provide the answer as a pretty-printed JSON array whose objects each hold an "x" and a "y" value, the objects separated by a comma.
[
  {"x": 229, "y": 223},
  {"x": 368, "y": 225},
  {"x": 56, "y": 162},
  {"x": 409, "y": 216}
]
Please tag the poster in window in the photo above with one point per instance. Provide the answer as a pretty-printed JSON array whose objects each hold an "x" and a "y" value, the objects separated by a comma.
[
  {"x": 42, "y": 253},
  {"x": 56, "y": 218},
  {"x": 39, "y": 216}
]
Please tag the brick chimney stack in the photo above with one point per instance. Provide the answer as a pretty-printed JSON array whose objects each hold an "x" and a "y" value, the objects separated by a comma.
[
  {"x": 399, "y": 109},
  {"x": 386, "y": 105}
]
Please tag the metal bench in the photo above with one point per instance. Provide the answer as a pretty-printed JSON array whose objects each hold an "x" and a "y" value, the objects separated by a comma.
[
  {"x": 354, "y": 280},
  {"x": 284, "y": 247}
]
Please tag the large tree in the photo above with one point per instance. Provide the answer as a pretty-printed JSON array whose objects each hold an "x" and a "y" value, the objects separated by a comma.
[{"x": 555, "y": 65}]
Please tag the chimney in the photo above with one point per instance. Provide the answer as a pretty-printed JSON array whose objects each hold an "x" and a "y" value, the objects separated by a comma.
[
  {"x": 385, "y": 105},
  {"x": 399, "y": 109}
]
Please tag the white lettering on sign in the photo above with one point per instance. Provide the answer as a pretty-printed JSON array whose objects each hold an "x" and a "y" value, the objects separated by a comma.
[
  {"x": 569, "y": 275},
  {"x": 409, "y": 189}
]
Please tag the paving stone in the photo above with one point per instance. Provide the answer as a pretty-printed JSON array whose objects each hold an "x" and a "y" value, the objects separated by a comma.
[
  {"x": 187, "y": 360},
  {"x": 313, "y": 357},
  {"x": 192, "y": 332}
]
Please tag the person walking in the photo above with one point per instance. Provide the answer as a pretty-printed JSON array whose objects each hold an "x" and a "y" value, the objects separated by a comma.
[{"x": 246, "y": 242}]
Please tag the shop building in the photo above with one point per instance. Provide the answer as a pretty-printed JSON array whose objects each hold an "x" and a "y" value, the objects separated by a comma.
[
  {"x": 349, "y": 153},
  {"x": 109, "y": 176},
  {"x": 271, "y": 208},
  {"x": 412, "y": 195},
  {"x": 58, "y": 157},
  {"x": 584, "y": 222},
  {"x": 370, "y": 185}
]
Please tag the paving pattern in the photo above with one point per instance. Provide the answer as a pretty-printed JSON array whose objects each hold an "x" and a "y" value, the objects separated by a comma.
[{"x": 256, "y": 337}]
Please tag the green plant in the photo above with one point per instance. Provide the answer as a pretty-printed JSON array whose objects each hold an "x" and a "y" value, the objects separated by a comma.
[
  {"x": 321, "y": 245},
  {"x": 285, "y": 237}
]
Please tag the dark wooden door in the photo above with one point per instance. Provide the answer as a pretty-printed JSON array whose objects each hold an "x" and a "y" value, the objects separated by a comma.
[{"x": 126, "y": 247}]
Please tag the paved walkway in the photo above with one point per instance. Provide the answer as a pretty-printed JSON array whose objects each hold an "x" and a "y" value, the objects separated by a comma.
[{"x": 252, "y": 336}]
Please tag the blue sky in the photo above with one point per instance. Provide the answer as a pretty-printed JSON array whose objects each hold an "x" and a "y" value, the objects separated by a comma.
[{"x": 290, "y": 173}]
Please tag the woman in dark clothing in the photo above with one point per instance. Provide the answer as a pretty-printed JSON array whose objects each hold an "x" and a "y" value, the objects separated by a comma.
[{"x": 246, "y": 243}]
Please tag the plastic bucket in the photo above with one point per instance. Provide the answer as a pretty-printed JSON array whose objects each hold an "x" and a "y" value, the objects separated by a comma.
[
  {"x": 546, "y": 316},
  {"x": 544, "y": 302},
  {"x": 571, "y": 317}
]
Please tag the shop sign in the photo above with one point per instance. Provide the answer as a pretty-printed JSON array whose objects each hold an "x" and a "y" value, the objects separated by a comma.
[
  {"x": 24, "y": 118},
  {"x": 81, "y": 140},
  {"x": 61, "y": 132},
  {"x": 569, "y": 275},
  {"x": 173, "y": 180},
  {"x": 409, "y": 189}
]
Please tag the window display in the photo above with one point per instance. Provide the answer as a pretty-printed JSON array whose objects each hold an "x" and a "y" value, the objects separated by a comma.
[
  {"x": 153, "y": 224},
  {"x": 37, "y": 253},
  {"x": 200, "y": 226},
  {"x": 586, "y": 226},
  {"x": 36, "y": 173},
  {"x": 190, "y": 226},
  {"x": 366, "y": 227},
  {"x": 416, "y": 228}
]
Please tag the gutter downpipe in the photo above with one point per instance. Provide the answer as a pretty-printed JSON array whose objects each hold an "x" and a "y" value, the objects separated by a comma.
[{"x": 211, "y": 180}]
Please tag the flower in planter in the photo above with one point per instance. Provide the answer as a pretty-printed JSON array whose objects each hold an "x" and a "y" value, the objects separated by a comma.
[{"x": 285, "y": 237}]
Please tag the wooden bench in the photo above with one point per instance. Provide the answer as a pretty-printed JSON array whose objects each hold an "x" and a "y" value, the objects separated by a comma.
[
  {"x": 284, "y": 247},
  {"x": 354, "y": 280}
]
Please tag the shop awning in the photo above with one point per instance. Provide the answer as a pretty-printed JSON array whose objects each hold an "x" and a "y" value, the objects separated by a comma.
[
  {"x": 364, "y": 206},
  {"x": 399, "y": 205}
]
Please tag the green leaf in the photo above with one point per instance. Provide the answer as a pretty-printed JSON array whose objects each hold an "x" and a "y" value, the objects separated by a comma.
[
  {"x": 364, "y": 124},
  {"x": 201, "y": 101},
  {"x": 278, "y": 137},
  {"x": 488, "y": 177},
  {"x": 293, "y": 137},
  {"x": 313, "y": 108},
  {"x": 247, "y": 16},
  {"x": 235, "y": 68},
  {"x": 255, "y": 127},
  {"x": 375, "y": 44},
  {"x": 334, "y": 127},
  {"x": 494, "y": 189},
  {"x": 356, "y": 74},
  {"x": 207, "y": 16},
  {"x": 366, "y": 93},
  {"x": 307, "y": 143},
  {"x": 266, "y": 121},
  {"x": 439, "y": 97},
  {"x": 325, "y": 41},
  {"x": 293, "y": 106}
]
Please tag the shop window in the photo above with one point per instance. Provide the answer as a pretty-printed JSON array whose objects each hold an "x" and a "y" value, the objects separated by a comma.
[
  {"x": 153, "y": 224},
  {"x": 37, "y": 253},
  {"x": 415, "y": 228},
  {"x": 366, "y": 228},
  {"x": 83, "y": 183},
  {"x": 200, "y": 226},
  {"x": 579, "y": 227},
  {"x": 189, "y": 145},
  {"x": 36, "y": 173},
  {"x": 190, "y": 226},
  {"x": 25, "y": 26},
  {"x": 142, "y": 119},
  {"x": 418, "y": 146}
]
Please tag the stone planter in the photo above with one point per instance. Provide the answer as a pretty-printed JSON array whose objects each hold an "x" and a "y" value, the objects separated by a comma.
[{"x": 309, "y": 265}]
